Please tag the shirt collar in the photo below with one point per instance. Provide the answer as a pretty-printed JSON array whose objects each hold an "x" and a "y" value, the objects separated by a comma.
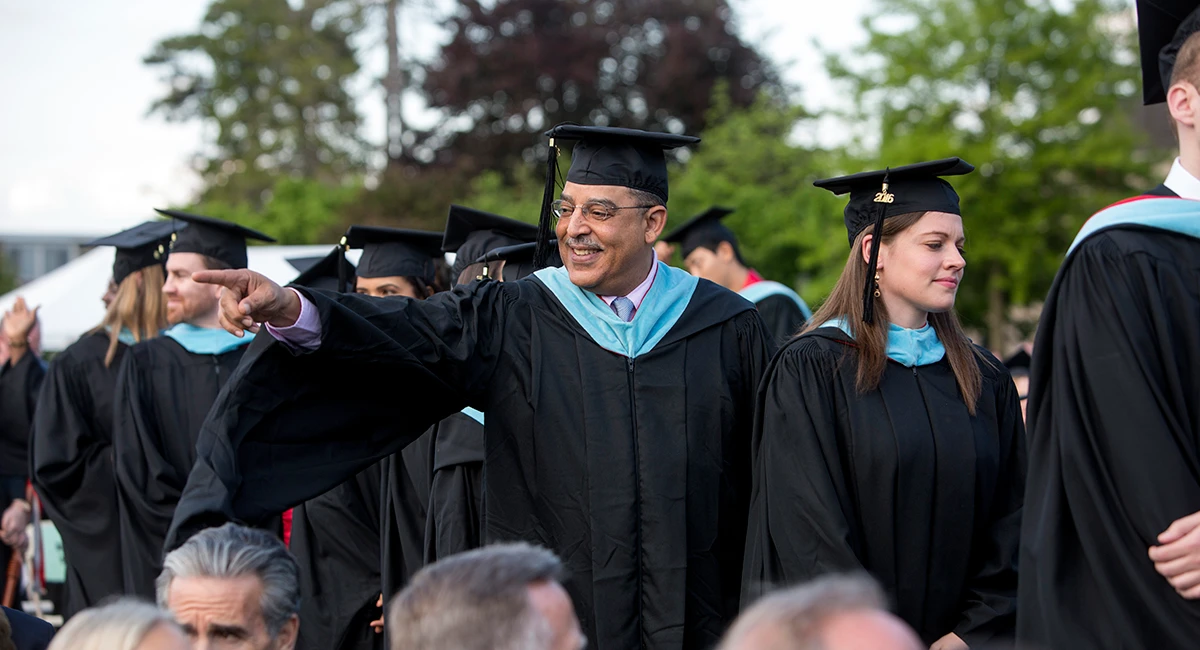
[
  {"x": 639, "y": 293},
  {"x": 752, "y": 277},
  {"x": 1181, "y": 182}
]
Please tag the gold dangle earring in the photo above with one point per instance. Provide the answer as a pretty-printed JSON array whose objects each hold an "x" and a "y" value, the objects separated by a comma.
[{"x": 877, "y": 285}]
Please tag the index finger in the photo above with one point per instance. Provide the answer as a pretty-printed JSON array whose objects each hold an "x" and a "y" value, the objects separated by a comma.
[{"x": 227, "y": 278}]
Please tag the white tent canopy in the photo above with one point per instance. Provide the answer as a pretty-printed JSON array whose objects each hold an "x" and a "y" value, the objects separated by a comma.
[{"x": 69, "y": 296}]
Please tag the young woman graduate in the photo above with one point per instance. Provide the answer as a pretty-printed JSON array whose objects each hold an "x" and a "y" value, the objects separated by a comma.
[
  {"x": 71, "y": 445},
  {"x": 351, "y": 538},
  {"x": 885, "y": 440}
]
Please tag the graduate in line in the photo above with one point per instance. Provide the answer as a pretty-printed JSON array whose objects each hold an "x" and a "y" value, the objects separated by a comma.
[
  {"x": 165, "y": 387},
  {"x": 21, "y": 374},
  {"x": 1112, "y": 526},
  {"x": 349, "y": 538},
  {"x": 71, "y": 449},
  {"x": 455, "y": 522},
  {"x": 710, "y": 251},
  {"x": 885, "y": 440},
  {"x": 619, "y": 397}
]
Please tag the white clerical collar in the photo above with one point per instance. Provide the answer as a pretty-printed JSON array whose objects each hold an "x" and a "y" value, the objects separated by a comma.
[{"x": 1181, "y": 182}]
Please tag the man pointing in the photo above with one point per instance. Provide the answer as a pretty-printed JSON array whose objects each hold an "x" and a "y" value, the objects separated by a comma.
[{"x": 619, "y": 395}]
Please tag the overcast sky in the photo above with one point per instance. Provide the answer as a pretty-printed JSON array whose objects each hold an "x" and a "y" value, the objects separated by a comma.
[{"x": 79, "y": 155}]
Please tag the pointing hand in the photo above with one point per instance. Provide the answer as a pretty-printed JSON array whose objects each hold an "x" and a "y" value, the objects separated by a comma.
[{"x": 250, "y": 298}]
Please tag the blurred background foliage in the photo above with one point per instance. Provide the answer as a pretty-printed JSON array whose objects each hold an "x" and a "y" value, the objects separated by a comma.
[{"x": 1043, "y": 97}]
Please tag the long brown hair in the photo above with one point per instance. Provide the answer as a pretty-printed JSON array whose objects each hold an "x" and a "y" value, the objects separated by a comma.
[
  {"x": 871, "y": 340},
  {"x": 138, "y": 307}
]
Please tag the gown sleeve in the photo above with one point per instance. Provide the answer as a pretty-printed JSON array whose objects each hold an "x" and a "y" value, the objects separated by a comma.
[
  {"x": 19, "y": 386},
  {"x": 991, "y": 600},
  {"x": 148, "y": 484},
  {"x": 798, "y": 527},
  {"x": 64, "y": 448},
  {"x": 290, "y": 425}
]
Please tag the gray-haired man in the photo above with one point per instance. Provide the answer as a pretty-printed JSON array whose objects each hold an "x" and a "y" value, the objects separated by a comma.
[
  {"x": 502, "y": 597},
  {"x": 233, "y": 588}
]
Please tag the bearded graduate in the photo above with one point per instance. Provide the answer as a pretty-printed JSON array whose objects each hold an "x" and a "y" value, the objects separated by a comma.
[
  {"x": 71, "y": 448},
  {"x": 1110, "y": 552},
  {"x": 619, "y": 395},
  {"x": 885, "y": 440},
  {"x": 165, "y": 387}
]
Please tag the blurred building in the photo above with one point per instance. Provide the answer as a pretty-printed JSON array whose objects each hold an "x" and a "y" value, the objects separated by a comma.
[{"x": 29, "y": 256}]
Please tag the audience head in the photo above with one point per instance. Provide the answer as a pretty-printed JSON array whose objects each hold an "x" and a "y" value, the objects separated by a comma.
[
  {"x": 832, "y": 613},
  {"x": 233, "y": 587},
  {"x": 503, "y": 597},
  {"x": 125, "y": 624}
]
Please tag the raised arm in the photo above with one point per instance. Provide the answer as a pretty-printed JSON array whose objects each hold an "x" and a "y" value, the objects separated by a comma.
[{"x": 291, "y": 425}]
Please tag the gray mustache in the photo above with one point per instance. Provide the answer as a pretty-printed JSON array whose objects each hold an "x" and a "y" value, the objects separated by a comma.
[{"x": 582, "y": 243}]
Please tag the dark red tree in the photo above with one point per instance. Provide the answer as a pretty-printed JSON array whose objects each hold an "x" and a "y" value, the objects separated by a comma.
[{"x": 515, "y": 67}]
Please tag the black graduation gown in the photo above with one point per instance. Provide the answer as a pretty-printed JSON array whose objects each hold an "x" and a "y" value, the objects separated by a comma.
[
  {"x": 782, "y": 317},
  {"x": 635, "y": 471},
  {"x": 19, "y": 386},
  {"x": 1114, "y": 425},
  {"x": 455, "y": 522},
  {"x": 163, "y": 394},
  {"x": 901, "y": 482},
  {"x": 335, "y": 538},
  {"x": 404, "y": 517},
  {"x": 72, "y": 467}
]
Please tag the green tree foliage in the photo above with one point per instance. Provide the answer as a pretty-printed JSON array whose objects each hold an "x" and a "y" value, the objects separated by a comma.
[
  {"x": 512, "y": 68},
  {"x": 1040, "y": 97},
  {"x": 787, "y": 229},
  {"x": 8, "y": 276},
  {"x": 270, "y": 80},
  {"x": 409, "y": 196},
  {"x": 295, "y": 211}
]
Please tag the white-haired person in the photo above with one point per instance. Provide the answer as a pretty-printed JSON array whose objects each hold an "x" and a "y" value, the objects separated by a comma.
[
  {"x": 233, "y": 588},
  {"x": 126, "y": 624}
]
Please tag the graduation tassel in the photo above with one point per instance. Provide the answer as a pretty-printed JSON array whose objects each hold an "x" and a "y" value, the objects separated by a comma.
[
  {"x": 541, "y": 256},
  {"x": 340, "y": 249},
  {"x": 883, "y": 198}
]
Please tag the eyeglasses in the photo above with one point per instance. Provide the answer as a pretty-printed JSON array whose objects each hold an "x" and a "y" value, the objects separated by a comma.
[{"x": 591, "y": 211}]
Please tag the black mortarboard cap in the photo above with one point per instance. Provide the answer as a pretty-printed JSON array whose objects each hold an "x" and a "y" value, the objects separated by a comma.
[
  {"x": 216, "y": 238},
  {"x": 1163, "y": 27},
  {"x": 470, "y": 233},
  {"x": 607, "y": 156},
  {"x": 517, "y": 258},
  {"x": 324, "y": 272},
  {"x": 704, "y": 229},
  {"x": 894, "y": 191},
  {"x": 138, "y": 247},
  {"x": 1019, "y": 360},
  {"x": 391, "y": 252}
]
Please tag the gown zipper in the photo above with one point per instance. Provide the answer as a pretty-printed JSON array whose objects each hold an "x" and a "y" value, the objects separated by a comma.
[{"x": 637, "y": 494}]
